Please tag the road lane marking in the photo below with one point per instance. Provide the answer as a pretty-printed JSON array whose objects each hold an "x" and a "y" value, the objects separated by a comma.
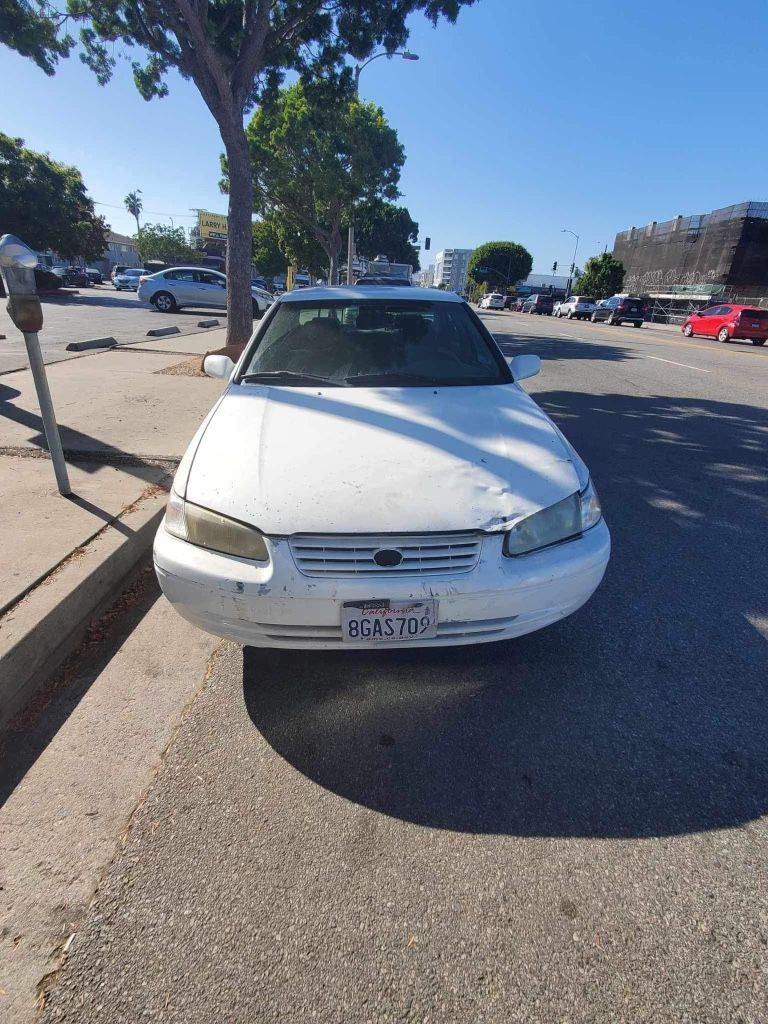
[{"x": 672, "y": 361}]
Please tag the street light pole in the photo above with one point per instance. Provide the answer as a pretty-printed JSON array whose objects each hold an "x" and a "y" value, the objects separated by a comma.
[
  {"x": 573, "y": 264},
  {"x": 406, "y": 55}
]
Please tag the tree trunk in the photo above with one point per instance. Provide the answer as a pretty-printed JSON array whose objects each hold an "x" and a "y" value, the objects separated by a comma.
[{"x": 239, "y": 238}]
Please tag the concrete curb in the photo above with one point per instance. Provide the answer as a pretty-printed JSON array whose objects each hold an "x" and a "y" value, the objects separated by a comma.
[
  {"x": 39, "y": 632},
  {"x": 161, "y": 332},
  {"x": 208, "y": 323},
  {"x": 84, "y": 346}
]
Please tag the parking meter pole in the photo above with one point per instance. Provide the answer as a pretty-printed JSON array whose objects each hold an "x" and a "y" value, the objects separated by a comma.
[
  {"x": 37, "y": 366},
  {"x": 17, "y": 266}
]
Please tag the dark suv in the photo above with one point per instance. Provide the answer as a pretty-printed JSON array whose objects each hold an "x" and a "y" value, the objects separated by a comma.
[
  {"x": 620, "y": 309},
  {"x": 541, "y": 304}
]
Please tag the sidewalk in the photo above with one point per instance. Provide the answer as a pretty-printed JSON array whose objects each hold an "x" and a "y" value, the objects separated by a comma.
[{"x": 126, "y": 417}]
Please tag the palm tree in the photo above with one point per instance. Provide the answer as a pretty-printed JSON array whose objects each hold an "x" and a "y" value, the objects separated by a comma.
[{"x": 134, "y": 206}]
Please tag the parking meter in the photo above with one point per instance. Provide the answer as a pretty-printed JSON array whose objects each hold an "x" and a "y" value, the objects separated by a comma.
[{"x": 17, "y": 266}]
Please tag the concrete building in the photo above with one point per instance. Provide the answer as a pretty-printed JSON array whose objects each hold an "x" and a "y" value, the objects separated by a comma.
[
  {"x": 120, "y": 250},
  {"x": 724, "y": 252},
  {"x": 451, "y": 268}
]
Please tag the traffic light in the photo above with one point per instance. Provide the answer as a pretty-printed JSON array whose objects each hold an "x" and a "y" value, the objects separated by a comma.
[
  {"x": 426, "y": 243},
  {"x": 554, "y": 267}
]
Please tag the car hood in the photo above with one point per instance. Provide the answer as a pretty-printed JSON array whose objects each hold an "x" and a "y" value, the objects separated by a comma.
[{"x": 377, "y": 460}]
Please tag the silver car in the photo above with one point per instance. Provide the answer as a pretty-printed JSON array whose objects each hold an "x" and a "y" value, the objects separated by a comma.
[
  {"x": 128, "y": 279},
  {"x": 577, "y": 307},
  {"x": 177, "y": 287}
]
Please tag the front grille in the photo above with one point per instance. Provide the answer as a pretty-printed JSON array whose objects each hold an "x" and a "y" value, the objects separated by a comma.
[
  {"x": 476, "y": 628},
  {"x": 426, "y": 555}
]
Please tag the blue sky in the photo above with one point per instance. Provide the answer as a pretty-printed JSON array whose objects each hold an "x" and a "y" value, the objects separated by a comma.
[{"x": 517, "y": 122}]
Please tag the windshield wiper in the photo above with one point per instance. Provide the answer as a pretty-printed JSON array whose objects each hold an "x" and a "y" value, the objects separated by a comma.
[
  {"x": 288, "y": 376},
  {"x": 391, "y": 377}
]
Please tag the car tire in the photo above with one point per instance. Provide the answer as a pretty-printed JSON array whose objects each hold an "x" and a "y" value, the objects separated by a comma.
[
  {"x": 569, "y": 315},
  {"x": 593, "y": 319},
  {"x": 688, "y": 331},
  {"x": 758, "y": 341},
  {"x": 723, "y": 335},
  {"x": 637, "y": 323},
  {"x": 164, "y": 302},
  {"x": 611, "y": 322}
]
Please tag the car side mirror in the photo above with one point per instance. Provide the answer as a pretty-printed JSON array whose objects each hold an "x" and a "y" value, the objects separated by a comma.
[
  {"x": 218, "y": 366},
  {"x": 525, "y": 366}
]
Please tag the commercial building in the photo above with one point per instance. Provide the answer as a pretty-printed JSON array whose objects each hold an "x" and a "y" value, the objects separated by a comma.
[
  {"x": 724, "y": 252},
  {"x": 451, "y": 268}
]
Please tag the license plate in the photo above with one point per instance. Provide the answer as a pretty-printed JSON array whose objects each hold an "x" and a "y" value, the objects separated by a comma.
[{"x": 385, "y": 622}]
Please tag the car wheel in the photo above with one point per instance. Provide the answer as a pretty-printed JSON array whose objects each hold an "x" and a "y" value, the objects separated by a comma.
[
  {"x": 593, "y": 319},
  {"x": 688, "y": 331},
  {"x": 610, "y": 321},
  {"x": 723, "y": 335},
  {"x": 164, "y": 302},
  {"x": 569, "y": 315},
  {"x": 638, "y": 323},
  {"x": 758, "y": 341}
]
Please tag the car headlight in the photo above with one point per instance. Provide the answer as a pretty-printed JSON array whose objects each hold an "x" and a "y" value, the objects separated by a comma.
[
  {"x": 564, "y": 520},
  {"x": 211, "y": 530}
]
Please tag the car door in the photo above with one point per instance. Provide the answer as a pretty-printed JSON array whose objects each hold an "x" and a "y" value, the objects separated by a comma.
[
  {"x": 724, "y": 315},
  {"x": 706, "y": 323},
  {"x": 181, "y": 284},
  {"x": 212, "y": 288}
]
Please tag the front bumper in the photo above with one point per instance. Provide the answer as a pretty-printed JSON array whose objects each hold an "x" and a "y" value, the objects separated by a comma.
[{"x": 277, "y": 606}]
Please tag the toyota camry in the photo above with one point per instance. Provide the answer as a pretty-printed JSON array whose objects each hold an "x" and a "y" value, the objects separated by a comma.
[{"x": 373, "y": 475}]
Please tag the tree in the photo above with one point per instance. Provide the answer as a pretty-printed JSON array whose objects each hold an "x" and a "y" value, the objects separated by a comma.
[
  {"x": 382, "y": 227},
  {"x": 162, "y": 242},
  {"x": 603, "y": 276},
  {"x": 134, "y": 206},
  {"x": 316, "y": 155},
  {"x": 500, "y": 264},
  {"x": 268, "y": 251},
  {"x": 45, "y": 203},
  {"x": 236, "y": 52}
]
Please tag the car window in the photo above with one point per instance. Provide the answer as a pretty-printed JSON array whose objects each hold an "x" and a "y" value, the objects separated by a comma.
[
  {"x": 756, "y": 315},
  {"x": 378, "y": 342},
  {"x": 725, "y": 310},
  {"x": 206, "y": 277},
  {"x": 180, "y": 275}
]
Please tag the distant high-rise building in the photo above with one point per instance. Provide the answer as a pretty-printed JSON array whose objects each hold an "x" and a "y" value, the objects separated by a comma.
[
  {"x": 427, "y": 276},
  {"x": 451, "y": 268}
]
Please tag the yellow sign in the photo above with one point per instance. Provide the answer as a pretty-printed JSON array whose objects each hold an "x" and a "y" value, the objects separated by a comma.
[{"x": 211, "y": 225}]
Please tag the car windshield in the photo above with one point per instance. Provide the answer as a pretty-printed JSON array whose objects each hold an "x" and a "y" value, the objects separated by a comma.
[
  {"x": 583, "y": 298},
  {"x": 134, "y": 273},
  {"x": 374, "y": 342}
]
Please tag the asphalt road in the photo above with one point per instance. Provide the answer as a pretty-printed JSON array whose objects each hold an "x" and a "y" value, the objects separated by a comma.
[
  {"x": 98, "y": 312},
  {"x": 568, "y": 827}
]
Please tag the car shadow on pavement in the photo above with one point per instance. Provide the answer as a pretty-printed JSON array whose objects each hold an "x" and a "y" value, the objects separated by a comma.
[
  {"x": 561, "y": 348},
  {"x": 644, "y": 714}
]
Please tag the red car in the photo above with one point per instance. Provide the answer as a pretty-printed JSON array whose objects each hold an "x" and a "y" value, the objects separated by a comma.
[{"x": 729, "y": 322}]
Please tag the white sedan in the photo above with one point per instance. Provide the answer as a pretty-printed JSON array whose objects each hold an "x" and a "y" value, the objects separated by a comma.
[{"x": 374, "y": 475}]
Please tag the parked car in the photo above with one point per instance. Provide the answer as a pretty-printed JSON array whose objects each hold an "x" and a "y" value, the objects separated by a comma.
[
  {"x": 518, "y": 306},
  {"x": 541, "y": 304},
  {"x": 94, "y": 275},
  {"x": 509, "y": 302},
  {"x": 178, "y": 287},
  {"x": 73, "y": 277},
  {"x": 729, "y": 322},
  {"x": 446, "y": 543},
  {"x": 128, "y": 279},
  {"x": 619, "y": 309},
  {"x": 119, "y": 268},
  {"x": 577, "y": 307},
  {"x": 492, "y": 300}
]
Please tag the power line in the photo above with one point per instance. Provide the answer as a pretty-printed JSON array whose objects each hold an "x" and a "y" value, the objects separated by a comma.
[{"x": 155, "y": 213}]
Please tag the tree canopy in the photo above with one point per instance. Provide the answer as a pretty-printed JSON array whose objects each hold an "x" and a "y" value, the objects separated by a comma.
[
  {"x": 163, "y": 242},
  {"x": 268, "y": 250},
  {"x": 236, "y": 52},
  {"x": 603, "y": 276},
  {"x": 387, "y": 229},
  {"x": 45, "y": 203},
  {"x": 134, "y": 206},
  {"x": 499, "y": 264},
  {"x": 316, "y": 156}
]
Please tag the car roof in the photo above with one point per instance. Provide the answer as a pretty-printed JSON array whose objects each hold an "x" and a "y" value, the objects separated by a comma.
[{"x": 354, "y": 293}]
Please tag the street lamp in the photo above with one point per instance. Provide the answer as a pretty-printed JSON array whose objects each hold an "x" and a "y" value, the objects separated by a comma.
[
  {"x": 406, "y": 55},
  {"x": 573, "y": 264}
]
